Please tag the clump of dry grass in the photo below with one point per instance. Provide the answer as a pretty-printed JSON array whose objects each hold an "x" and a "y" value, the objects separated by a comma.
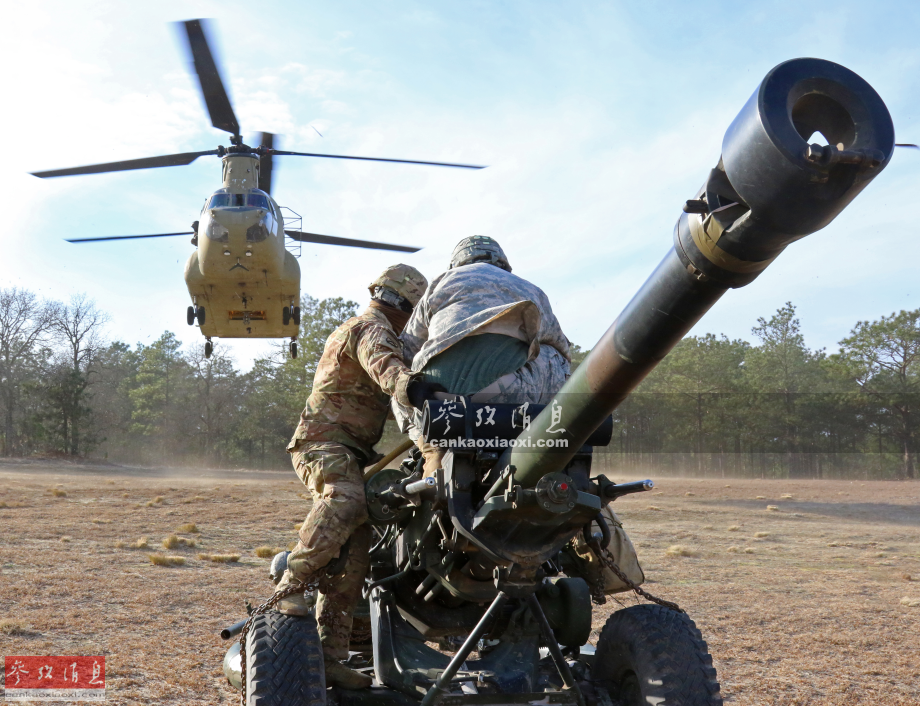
[
  {"x": 164, "y": 560},
  {"x": 734, "y": 528},
  {"x": 220, "y": 558},
  {"x": 57, "y": 492},
  {"x": 708, "y": 527},
  {"x": 907, "y": 577},
  {"x": 772, "y": 508},
  {"x": 689, "y": 494},
  {"x": 12, "y": 627},
  {"x": 653, "y": 507},
  {"x": 65, "y": 538},
  {"x": 11, "y": 505},
  {"x": 728, "y": 486},
  {"x": 172, "y": 541},
  {"x": 761, "y": 535},
  {"x": 761, "y": 497},
  {"x": 749, "y": 550},
  {"x": 681, "y": 550},
  {"x": 188, "y": 528},
  {"x": 910, "y": 602},
  {"x": 158, "y": 500},
  {"x": 734, "y": 550},
  {"x": 100, "y": 521},
  {"x": 267, "y": 552},
  {"x": 786, "y": 496},
  {"x": 139, "y": 544}
]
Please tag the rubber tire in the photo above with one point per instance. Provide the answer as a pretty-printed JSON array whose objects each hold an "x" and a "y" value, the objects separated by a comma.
[
  {"x": 284, "y": 662},
  {"x": 190, "y": 315},
  {"x": 200, "y": 315},
  {"x": 649, "y": 654},
  {"x": 286, "y": 315},
  {"x": 208, "y": 349},
  {"x": 293, "y": 349},
  {"x": 295, "y": 315}
]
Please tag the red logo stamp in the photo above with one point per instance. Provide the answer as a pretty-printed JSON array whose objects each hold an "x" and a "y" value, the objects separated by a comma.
[{"x": 54, "y": 678}]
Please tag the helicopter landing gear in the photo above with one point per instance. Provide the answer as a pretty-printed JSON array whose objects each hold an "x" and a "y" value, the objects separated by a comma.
[
  {"x": 195, "y": 313},
  {"x": 290, "y": 313},
  {"x": 293, "y": 348},
  {"x": 208, "y": 348}
]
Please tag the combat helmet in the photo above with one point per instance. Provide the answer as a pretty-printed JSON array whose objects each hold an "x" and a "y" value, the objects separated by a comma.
[
  {"x": 399, "y": 285},
  {"x": 479, "y": 248}
]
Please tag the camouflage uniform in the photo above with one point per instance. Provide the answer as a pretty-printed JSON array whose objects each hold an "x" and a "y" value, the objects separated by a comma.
[
  {"x": 484, "y": 298},
  {"x": 360, "y": 368}
]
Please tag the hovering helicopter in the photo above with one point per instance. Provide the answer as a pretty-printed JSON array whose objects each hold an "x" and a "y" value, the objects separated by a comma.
[{"x": 243, "y": 280}]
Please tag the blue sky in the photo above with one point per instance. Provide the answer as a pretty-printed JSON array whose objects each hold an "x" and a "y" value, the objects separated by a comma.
[{"x": 597, "y": 121}]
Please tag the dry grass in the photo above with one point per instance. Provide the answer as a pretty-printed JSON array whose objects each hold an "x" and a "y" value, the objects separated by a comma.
[
  {"x": 65, "y": 539},
  {"x": 761, "y": 535},
  {"x": 13, "y": 627},
  {"x": 267, "y": 552},
  {"x": 786, "y": 496},
  {"x": 165, "y": 560},
  {"x": 172, "y": 542},
  {"x": 681, "y": 550},
  {"x": 100, "y": 521},
  {"x": 734, "y": 528},
  {"x": 220, "y": 558},
  {"x": 772, "y": 508},
  {"x": 654, "y": 507},
  {"x": 805, "y": 625},
  {"x": 141, "y": 543},
  {"x": 57, "y": 492},
  {"x": 188, "y": 528},
  {"x": 910, "y": 602}
]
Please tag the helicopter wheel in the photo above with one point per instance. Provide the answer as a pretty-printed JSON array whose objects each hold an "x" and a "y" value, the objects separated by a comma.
[
  {"x": 190, "y": 315},
  {"x": 208, "y": 349},
  {"x": 295, "y": 314},
  {"x": 286, "y": 315},
  {"x": 200, "y": 314},
  {"x": 293, "y": 348}
]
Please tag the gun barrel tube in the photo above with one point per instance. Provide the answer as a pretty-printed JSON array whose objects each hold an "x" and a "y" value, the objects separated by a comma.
[
  {"x": 233, "y": 630},
  {"x": 769, "y": 189}
]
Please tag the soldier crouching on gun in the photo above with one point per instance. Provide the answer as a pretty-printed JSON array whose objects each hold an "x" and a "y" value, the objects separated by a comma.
[
  {"x": 481, "y": 331},
  {"x": 360, "y": 368}
]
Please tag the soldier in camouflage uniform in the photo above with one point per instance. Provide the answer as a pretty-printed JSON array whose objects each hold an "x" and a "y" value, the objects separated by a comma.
[
  {"x": 361, "y": 367},
  {"x": 482, "y": 331}
]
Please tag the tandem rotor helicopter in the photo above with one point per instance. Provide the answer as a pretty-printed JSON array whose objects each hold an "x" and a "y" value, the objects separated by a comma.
[{"x": 243, "y": 280}]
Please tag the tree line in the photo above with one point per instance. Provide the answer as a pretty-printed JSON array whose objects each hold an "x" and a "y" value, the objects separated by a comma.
[{"x": 714, "y": 406}]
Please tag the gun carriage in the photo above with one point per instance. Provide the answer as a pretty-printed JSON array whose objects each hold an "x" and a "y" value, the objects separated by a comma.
[{"x": 479, "y": 558}]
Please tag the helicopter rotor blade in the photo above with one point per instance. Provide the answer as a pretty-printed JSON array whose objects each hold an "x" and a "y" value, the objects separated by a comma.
[
  {"x": 128, "y": 237},
  {"x": 266, "y": 139},
  {"x": 907, "y": 144},
  {"x": 378, "y": 159},
  {"x": 168, "y": 160},
  {"x": 347, "y": 242},
  {"x": 212, "y": 87}
]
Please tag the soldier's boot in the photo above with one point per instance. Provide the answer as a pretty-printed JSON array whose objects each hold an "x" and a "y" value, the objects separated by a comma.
[
  {"x": 337, "y": 674},
  {"x": 297, "y": 603}
]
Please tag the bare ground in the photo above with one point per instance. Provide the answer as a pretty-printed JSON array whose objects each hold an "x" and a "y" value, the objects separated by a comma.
[{"x": 802, "y": 604}]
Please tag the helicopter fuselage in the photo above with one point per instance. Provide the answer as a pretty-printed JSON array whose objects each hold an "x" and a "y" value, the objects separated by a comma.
[{"x": 241, "y": 272}]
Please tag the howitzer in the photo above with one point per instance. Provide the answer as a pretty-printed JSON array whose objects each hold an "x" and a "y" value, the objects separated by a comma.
[{"x": 488, "y": 556}]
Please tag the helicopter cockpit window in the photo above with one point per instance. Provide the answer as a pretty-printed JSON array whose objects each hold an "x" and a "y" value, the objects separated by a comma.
[
  {"x": 258, "y": 201},
  {"x": 219, "y": 200}
]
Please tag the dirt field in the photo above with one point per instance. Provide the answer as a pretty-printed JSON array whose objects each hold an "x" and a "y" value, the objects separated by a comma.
[{"x": 807, "y": 592}]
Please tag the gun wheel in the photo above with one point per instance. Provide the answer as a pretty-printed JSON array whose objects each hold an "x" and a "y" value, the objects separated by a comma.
[
  {"x": 284, "y": 662},
  {"x": 648, "y": 654}
]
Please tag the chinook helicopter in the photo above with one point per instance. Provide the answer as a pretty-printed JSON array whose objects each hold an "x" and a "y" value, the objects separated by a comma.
[{"x": 243, "y": 279}]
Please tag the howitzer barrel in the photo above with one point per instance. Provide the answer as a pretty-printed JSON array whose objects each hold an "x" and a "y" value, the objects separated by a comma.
[{"x": 769, "y": 189}]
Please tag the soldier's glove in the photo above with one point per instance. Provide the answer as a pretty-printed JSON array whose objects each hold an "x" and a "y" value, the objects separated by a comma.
[{"x": 418, "y": 391}]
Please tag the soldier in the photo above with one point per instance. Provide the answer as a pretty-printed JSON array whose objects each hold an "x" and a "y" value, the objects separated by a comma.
[
  {"x": 360, "y": 368},
  {"x": 482, "y": 331}
]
